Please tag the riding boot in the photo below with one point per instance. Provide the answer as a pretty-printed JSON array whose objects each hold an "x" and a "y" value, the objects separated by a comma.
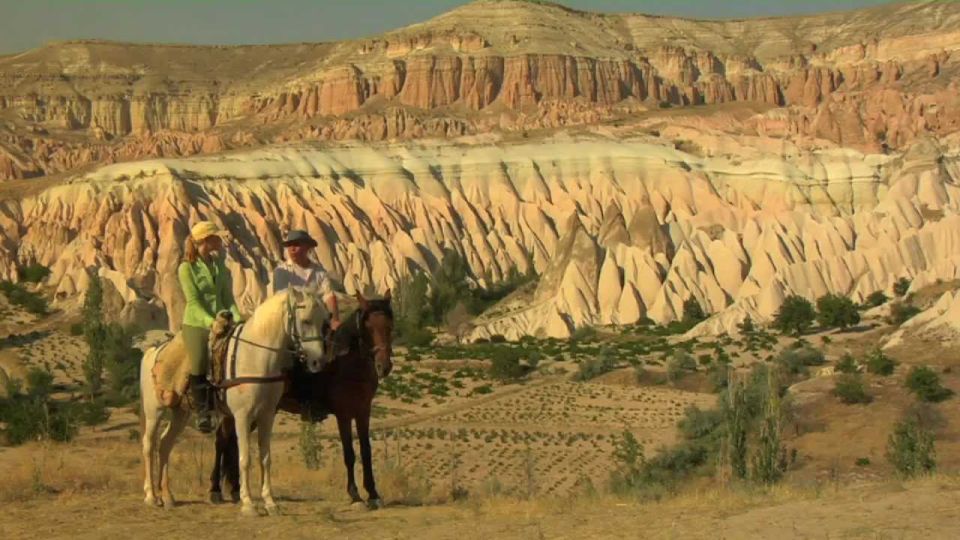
[{"x": 200, "y": 396}]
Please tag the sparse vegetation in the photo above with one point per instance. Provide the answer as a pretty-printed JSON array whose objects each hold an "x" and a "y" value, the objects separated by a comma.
[
  {"x": 311, "y": 448},
  {"x": 847, "y": 364},
  {"x": 796, "y": 359},
  {"x": 19, "y": 296},
  {"x": 901, "y": 287},
  {"x": 876, "y": 298},
  {"x": 849, "y": 388},
  {"x": 925, "y": 384},
  {"x": 33, "y": 414},
  {"x": 910, "y": 449},
  {"x": 33, "y": 273},
  {"x": 680, "y": 363},
  {"x": 879, "y": 363},
  {"x": 901, "y": 312}
]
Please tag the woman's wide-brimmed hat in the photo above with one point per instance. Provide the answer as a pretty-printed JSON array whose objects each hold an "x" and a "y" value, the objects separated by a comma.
[
  {"x": 299, "y": 237},
  {"x": 203, "y": 230}
]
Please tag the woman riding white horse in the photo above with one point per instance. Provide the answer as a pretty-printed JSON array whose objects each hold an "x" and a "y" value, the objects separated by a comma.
[{"x": 284, "y": 329}]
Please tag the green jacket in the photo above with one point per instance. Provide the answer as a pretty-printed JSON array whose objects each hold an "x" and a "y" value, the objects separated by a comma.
[{"x": 208, "y": 289}]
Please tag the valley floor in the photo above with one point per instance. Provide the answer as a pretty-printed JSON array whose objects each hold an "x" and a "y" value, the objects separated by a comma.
[{"x": 924, "y": 509}]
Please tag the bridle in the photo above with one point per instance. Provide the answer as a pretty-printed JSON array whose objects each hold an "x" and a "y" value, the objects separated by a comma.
[{"x": 369, "y": 350}]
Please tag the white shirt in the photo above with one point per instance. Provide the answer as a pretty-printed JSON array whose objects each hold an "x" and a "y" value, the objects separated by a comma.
[{"x": 289, "y": 274}]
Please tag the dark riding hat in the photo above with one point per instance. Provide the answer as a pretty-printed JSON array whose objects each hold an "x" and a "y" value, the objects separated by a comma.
[{"x": 299, "y": 237}]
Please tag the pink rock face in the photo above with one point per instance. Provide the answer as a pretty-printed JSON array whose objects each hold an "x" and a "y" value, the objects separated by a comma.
[{"x": 484, "y": 58}]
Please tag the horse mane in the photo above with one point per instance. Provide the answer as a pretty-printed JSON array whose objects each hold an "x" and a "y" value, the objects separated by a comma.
[
  {"x": 268, "y": 313},
  {"x": 351, "y": 324}
]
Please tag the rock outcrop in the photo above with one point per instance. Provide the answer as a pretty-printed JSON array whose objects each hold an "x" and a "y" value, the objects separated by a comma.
[{"x": 617, "y": 229}]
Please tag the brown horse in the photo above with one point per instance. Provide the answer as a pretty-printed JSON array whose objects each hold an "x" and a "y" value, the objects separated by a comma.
[{"x": 346, "y": 389}]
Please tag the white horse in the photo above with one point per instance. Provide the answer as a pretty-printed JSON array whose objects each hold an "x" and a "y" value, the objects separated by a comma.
[{"x": 286, "y": 326}]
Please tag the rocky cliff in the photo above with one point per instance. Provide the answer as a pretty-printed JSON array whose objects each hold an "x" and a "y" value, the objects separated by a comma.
[
  {"x": 618, "y": 229},
  {"x": 871, "y": 79}
]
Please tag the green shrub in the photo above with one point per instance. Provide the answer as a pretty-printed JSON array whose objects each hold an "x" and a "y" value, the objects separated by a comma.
[
  {"x": 498, "y": 338},
  {"x": 795, "y": 316},
  {"x": 846, "y": 364},
  {"x": 692, "y": 312},
  {"x": 863, "y": 462},
  {"x": 910, "y": 449},
  {"x": 584, "y": 334},
  {"x": 92, "y": 413},
  {"x": 746, "y": 326},
  {"x": 796, "y": 360},
  {"x": 32, "y": 415},
  {"x": 879, "y": 363},
  {"x": 876, "y": 298},
  {"x": 679, "y": 364},
  {"x": 835, "y": 311},
  {"x": 901, "y": 287},
  {"x": 925, "y": 384},
  {"x": 770, "y": 457},
  {"x": 311, "y": 446},
  {"x": 17, "y": 295},
  {"x": 849, "y": 388},
  {"x": 594, "y": 367},
  {"x": 33, "y": 273},
  {"x": 901, "y": 312},
  {"x": 506, "y": 366}
]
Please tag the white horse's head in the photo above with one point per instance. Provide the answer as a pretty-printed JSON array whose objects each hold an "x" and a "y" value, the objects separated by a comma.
[{"x": 306, "y": 315}]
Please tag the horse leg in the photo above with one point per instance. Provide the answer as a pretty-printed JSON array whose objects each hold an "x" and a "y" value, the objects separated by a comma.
[
  {"x": 366, "y": 456},
  {"x": 264, "y": 432},
  {"x": 242, "y": 425},
  {"x": 349, "y": 458},
  {"x": 231, "y": 461},
  {"x": 149, "y": 423},
  {"x": 219, "y": 462},
  {"x": 178, "y": 420}
]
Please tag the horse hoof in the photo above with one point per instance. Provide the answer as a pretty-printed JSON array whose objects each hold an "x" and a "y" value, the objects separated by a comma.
[
  {"x": 375, "y": 504},
  {"x": 216, "y": 497},
  {"x": 169, "y": 503},
  {"x": 249, "y": 510},
  {"x": 235, "y": 497},
  {"x": 273, "y": 510},
  {"x": 152, "y": 501}
]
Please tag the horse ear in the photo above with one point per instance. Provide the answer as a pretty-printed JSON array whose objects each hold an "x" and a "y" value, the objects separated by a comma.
[
  {"x": 386, "y": 295},
  {"x": 361, "y": 299}
]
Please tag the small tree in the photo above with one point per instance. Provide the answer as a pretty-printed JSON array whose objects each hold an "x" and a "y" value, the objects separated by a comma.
[
  {"x": 95, "y": 334},
  {"x": 925, "y": 384},
  {"x": 769, "y": 460},
  {"x": 795, "y": 316},
  {"x": 901, "y": 312},
  {"x": 692, "y": 312},
  {"x": 458, "y": 321},
  {"x": 910, "y": 449},
  {"x": 850, "y": 389},
  {"x": 876, "y": 298},
  {"x": 836, "y": 311},
  {"x": 746, "y": 326},
  {"x": 901, "y": 287},
  {"x": 879, "y": 363},
  {"x": 846, "y": 364}
]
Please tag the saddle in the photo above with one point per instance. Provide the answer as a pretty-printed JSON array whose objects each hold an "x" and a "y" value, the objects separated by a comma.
[{"x": 171, "y": 371}]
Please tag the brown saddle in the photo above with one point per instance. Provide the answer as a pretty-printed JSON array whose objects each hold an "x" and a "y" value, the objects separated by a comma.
[{"x": 171, "y": 371}]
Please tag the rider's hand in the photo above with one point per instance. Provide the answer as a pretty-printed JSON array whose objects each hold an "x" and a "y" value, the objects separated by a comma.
[{"x": 334, "y": 324}]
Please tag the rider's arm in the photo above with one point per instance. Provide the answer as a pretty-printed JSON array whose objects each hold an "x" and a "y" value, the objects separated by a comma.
[{"x": 195, "y": 307}]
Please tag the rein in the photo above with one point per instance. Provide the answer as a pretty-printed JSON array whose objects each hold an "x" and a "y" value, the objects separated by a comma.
[{"x": 296, "y": 349}]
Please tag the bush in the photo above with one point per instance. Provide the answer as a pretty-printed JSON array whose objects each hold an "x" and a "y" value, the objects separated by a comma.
[
  {"x": 795, "y": 316},
  {"x": 679, "y": 364},
  {"x": 506, "y": 366},
  {"x": 876, "y": 298},
  {"x": 76, "y": 329},
  {"x": 770, "y": 457},
  {"x": 594, "y": 367},
  {"x": 33, "y": 273},
  {"x": 692, "y": 312},
  {"x": 879, "y": 363},
  {"x": 910, "y": 449},
  {"x": 795, "y": 360},
  {"x": 92, "y": 413},
  {"x": 901, "y": 287},
  {"x": 835, "y": 311},
  {"x": 628, "y": 454},
  {"x": 311, "y": 446},
  {"x": 746, "y": 326},
  {"x": 18, "y": 296},
  {"x": 901, "y": 312},
  {"x": 32, "y": 415},
  {"x": 584, "y": 334},
  {"x": 846, "y": 364},
  {"x": 925, "y": 384},
  {"x": 415, "y": 337},
  {"x": 851, "y": 390},
  {"x": 498, "y": 338}
]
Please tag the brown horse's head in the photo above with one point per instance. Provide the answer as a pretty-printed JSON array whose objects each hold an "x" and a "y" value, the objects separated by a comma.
[{"x": 377, "y": 320}]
